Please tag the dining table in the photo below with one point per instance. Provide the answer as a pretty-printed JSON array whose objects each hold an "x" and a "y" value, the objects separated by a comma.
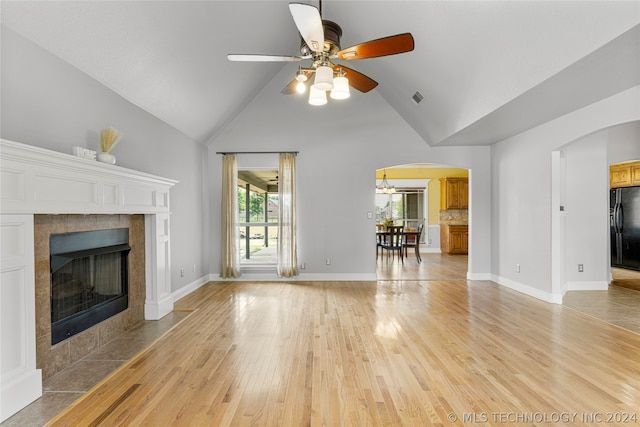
[{"x": 405, "y": 235}]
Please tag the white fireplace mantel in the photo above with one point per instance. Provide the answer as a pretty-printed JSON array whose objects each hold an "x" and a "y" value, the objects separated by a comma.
[
  {"x": 38, "y": 181},
  {"x": 35, "y": 180}
]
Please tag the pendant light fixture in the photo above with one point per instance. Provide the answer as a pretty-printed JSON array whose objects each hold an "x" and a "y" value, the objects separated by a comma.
[
  {"x": 385, "y": 187},
  {"x": 317, "y": 97},
  {"x": 324, "y": 78},
  {"x": 340, "y": 86},
  {"x": 300, "y": 78}
]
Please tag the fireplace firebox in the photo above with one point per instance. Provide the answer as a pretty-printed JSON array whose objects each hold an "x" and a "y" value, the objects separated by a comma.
[{"x": 89, "y": 279}]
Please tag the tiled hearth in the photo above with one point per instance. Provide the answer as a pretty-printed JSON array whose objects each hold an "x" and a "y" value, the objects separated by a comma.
[{"x": 55, "y": 358}]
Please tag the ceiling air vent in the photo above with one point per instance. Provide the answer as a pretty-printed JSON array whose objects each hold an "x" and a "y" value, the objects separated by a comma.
[{"x": 417, "y": 97}]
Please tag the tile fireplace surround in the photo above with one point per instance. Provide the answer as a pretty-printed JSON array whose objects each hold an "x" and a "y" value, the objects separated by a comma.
[
  {"x": 51, "y": 359},
  {"x": 45, "y": 192}
]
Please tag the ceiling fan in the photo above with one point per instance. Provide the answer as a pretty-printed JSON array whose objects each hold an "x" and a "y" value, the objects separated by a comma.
[{"x": 320, "y": 43}]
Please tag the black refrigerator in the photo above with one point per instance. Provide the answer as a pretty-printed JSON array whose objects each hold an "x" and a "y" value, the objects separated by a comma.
[{"x": 624, "y": 213}]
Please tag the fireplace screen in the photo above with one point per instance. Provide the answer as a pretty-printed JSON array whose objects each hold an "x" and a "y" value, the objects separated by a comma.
[{"x": 89, "y": 273}]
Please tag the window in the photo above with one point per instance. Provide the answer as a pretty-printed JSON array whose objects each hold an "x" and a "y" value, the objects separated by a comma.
[
  {"x": 405, "y": 207},
  {"x": 258, "y": 212}
]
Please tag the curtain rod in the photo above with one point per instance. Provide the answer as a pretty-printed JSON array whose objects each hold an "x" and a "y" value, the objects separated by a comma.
[{"x": 256, "y": 152}]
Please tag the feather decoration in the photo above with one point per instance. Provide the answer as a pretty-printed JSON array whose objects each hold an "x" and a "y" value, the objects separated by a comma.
[{"x": 109, "y": 138}]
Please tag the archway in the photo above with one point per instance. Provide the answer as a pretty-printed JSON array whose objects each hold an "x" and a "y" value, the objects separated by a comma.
[
  {"x": 416, "y": 199},
  {"x": 580, "y": 201}
]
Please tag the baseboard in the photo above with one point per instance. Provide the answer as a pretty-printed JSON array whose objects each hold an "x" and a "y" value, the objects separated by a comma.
[
  {"x": 19, "y": 392},
  {"x": 186, "y": 290},
  {"x": 479, "y": 276},
  {"x": 527, "y": 290},
  {"x": 157, "y": 310}
]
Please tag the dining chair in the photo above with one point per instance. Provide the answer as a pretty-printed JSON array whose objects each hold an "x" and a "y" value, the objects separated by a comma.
[
  {"x": 394, "y": 241},
  {"x": 380, "y": 238},
  {"x": 412, "y": 241}
]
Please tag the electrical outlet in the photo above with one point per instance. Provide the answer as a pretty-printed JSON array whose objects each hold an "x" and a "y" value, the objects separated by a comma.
[
  {"x": 181, "y": 272},
  {"x": 194, "y": 268},
  {"x": 303, "y": 266},
  {"x": 580, "y": 268},
  {"x": 328, "y": 261},
  {"x": 517, "y": 268}
]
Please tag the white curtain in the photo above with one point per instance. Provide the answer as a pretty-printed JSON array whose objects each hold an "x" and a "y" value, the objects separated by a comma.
[
  {"x": 287, "y": 246},
  {"x": 230, "y": 256}
]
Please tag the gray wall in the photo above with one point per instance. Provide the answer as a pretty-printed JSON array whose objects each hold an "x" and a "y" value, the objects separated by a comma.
[
  {"x": 526, "y": 221},
  {"x": 50, "y": 104}
]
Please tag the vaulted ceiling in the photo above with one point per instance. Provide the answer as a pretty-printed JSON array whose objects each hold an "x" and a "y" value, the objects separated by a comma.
[{"x": 487, "y": 69}]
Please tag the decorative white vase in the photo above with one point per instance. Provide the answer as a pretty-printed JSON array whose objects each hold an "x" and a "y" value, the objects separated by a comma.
[{"x": 107, "y": 158}]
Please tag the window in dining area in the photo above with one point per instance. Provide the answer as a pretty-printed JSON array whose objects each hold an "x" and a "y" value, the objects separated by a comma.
[{"x": 404, "y": 207}]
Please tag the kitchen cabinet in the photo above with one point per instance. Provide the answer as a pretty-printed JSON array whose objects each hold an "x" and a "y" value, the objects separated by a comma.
[
  {"x": 454, "y": 193},
  {"x": 620, "y": 175},
  {"x": 454, "y": 239},
  {"x": 635, "y": 174},
  {"x": 624, "y": 175}
]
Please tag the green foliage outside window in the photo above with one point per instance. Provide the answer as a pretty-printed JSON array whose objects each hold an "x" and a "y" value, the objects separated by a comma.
[{"x": 256, "y": 206}]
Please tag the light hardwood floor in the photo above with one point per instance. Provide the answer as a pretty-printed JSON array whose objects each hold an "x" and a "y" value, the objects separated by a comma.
[
  {"x": 416, "y": 347},
  {"x": 408, "y": 351}
]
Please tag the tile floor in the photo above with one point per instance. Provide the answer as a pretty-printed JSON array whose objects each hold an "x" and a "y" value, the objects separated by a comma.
[{"x": 618, "y": 305}]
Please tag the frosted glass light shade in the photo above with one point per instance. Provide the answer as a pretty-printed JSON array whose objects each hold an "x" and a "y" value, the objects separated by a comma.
[
  {"x": 317, "y": 97},
  {"x": 340, "y": 88},
  {"x": 300, "y": 87},
  {"x": 324, "y": 78}
]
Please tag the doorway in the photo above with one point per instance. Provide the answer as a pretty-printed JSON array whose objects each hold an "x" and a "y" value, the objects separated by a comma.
[
  {"x": 258, "y": 213},
  {"x": 416, "y": 199}
]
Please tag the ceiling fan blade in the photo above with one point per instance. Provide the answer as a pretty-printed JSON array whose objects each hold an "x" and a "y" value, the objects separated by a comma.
[
  {"x": 309, "y": 23},
  {"x": 357, "y": 80},
  {"x": 264, "y": 58},
  {"x": 290, "y": 89},
  {"x": 391, "y": 45}
]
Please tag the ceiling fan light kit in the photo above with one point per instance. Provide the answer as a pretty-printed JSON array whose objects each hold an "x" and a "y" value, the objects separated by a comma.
[
  {"x": 324, "y": 78},
  {"x": 340, "y": 88},
  {"x": 317, "y": 97},
  {"x": 301, "y": 78},
  {"x": 321, "y": 43}
]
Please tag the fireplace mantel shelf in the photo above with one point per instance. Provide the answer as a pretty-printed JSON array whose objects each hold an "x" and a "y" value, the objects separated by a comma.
[
  {"x": 35, "y": 180},
  {"x": 38, "y": 181}
]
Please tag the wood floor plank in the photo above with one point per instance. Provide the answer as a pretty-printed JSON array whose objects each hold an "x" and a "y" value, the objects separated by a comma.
[{"x": 419, "y": 352}]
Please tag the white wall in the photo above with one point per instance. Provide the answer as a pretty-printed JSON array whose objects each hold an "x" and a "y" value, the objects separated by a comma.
[
  {"x": 587, "y": 213},
  {"x": 340, "y": 147},
  {"x": 624, "y": 142},
  {"x": 522, "y": 189},
  {"x": 50, "y": 104}
]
